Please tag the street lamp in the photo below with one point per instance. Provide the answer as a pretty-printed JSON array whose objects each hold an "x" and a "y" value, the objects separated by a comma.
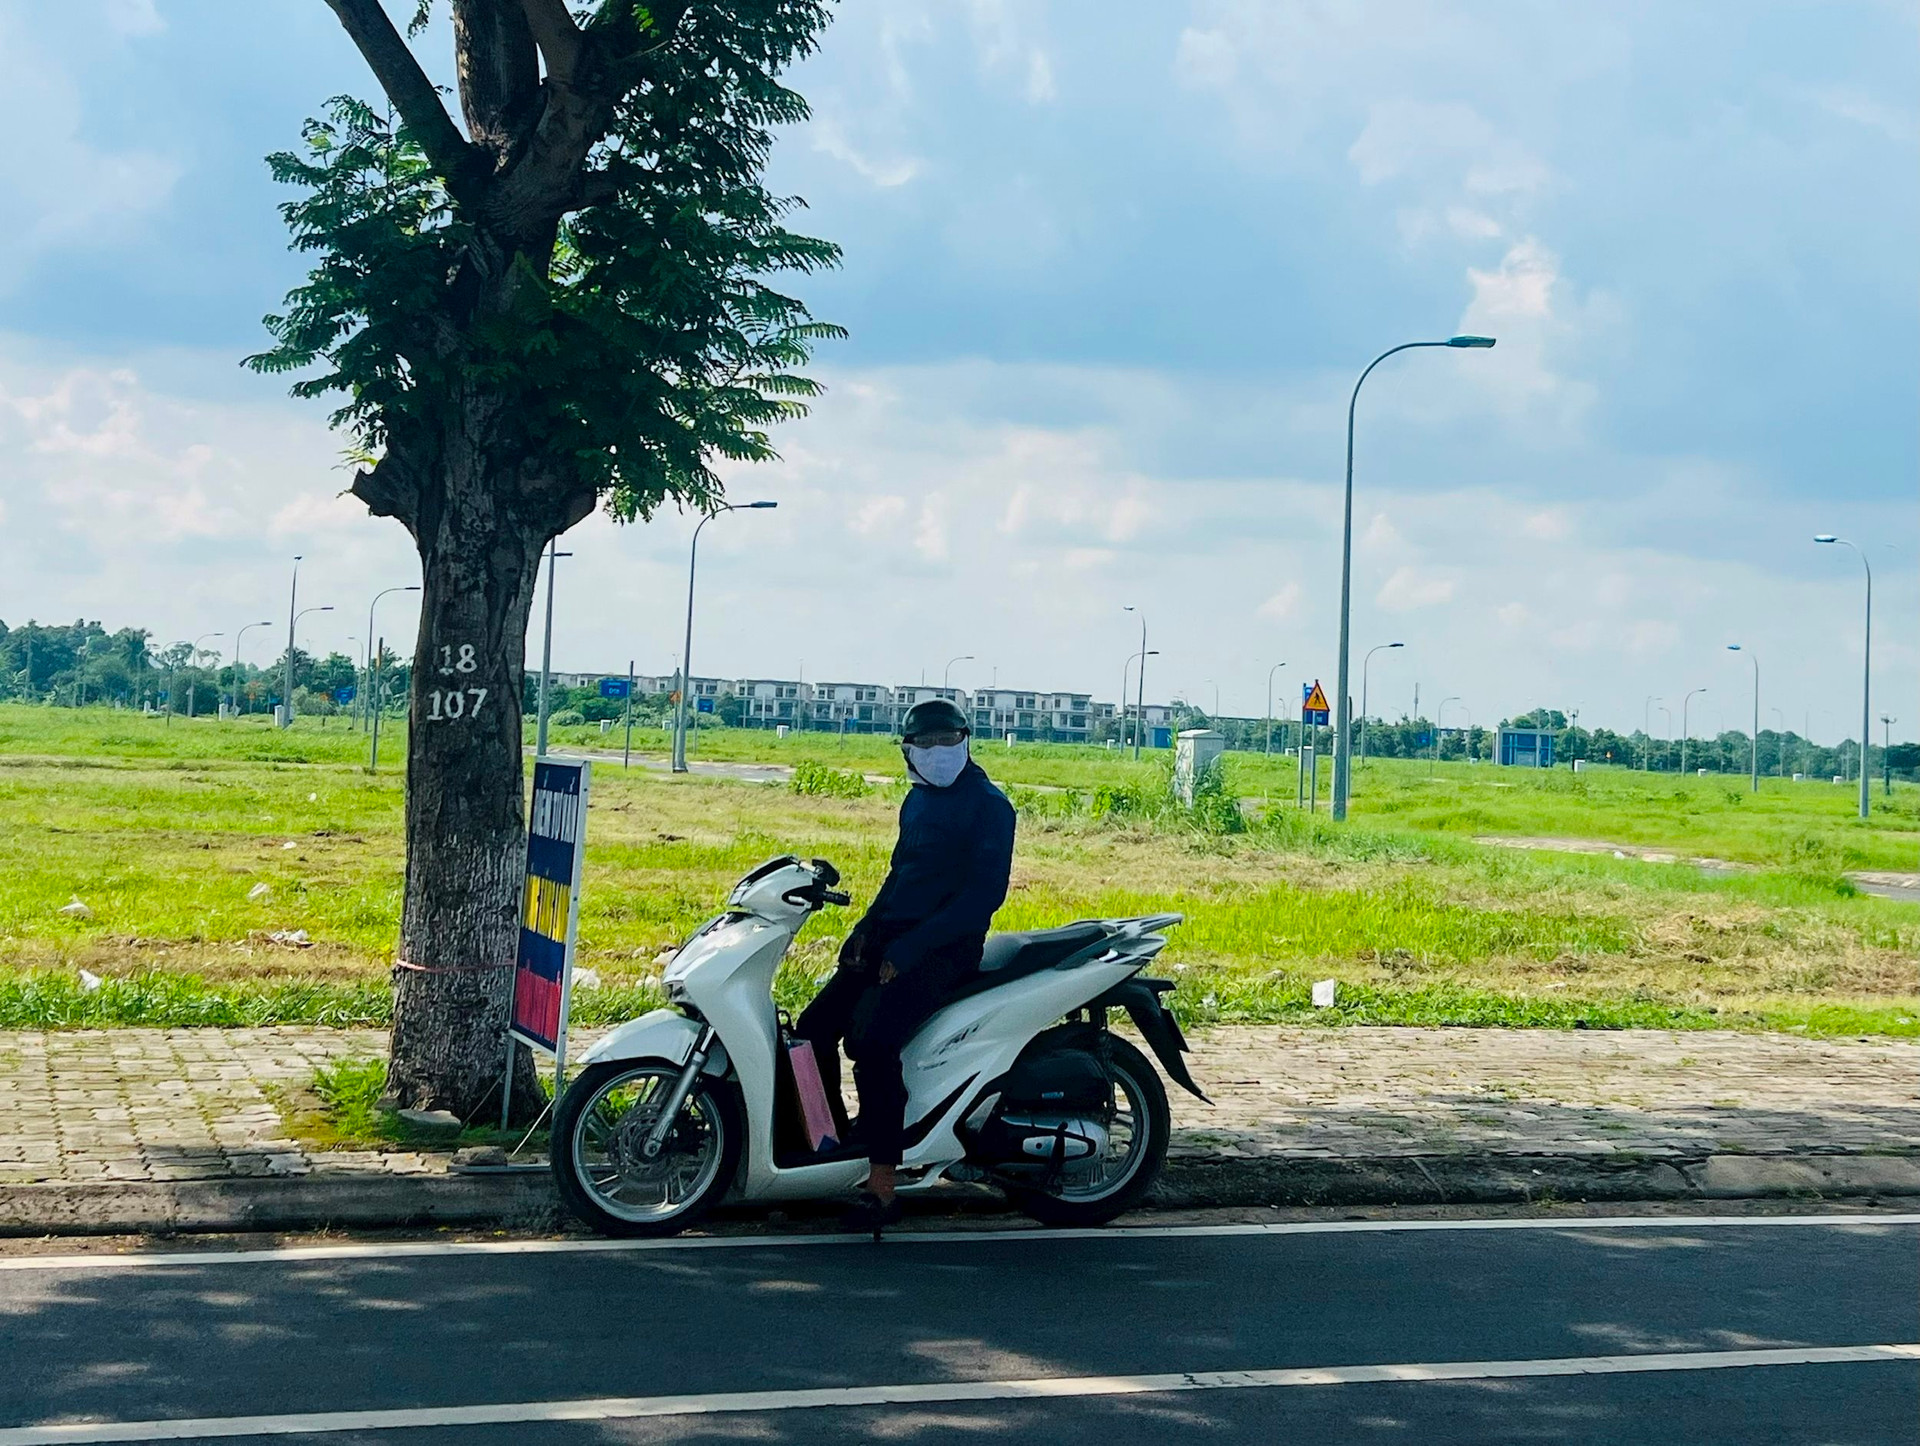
[
  {"x": 236, "y": 660},
  {"x": 1216, "y": 701},
  {"x": 1646, "y": 731},
  {"x": 686, "y": 657},
  {"x": 193, "y": 653},
  {"x": 1887, "y": 720},
  {"x": 1754, "y": 659},
  {"x": 1780, "y": 743},
  {"x": 1440, "y": 724},
  {"x": 946, "y": 676},
  {"x": 1669, "y": 740},
  {"x": 367, "y": 683},
  {"x": 1866, "y": 666},
  {"x": 1270, "y": 672},
  {"x": 1124, "y": 671},
  {"x": 1342, "y": 708},
  {"x": 1363, "y": 692},
  {"x": 1140, "y": 710},
  {"x": 295, "y": 623},
  {"x": 286, "y": 691},
  {"x": 1684, "y": 734}
]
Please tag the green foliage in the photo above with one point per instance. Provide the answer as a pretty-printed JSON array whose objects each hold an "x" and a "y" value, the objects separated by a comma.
[
  {"x": 624, "y": 343},
  {"x": 157, "y": 999},
  {"x": 820, "y": 781},
  {"x": 567, "y": 718}
]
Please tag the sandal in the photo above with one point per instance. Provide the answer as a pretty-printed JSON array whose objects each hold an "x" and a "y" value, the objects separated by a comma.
[{"x": 869, "y": 1212}]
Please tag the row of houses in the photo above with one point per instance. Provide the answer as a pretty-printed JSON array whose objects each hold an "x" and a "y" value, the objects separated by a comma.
[{"x": 1029, "y": 716}]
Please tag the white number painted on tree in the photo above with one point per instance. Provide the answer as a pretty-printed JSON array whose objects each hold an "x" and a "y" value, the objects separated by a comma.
[
  {"x": 461, "y": 662},
  {"x": 449, "y": 705}
]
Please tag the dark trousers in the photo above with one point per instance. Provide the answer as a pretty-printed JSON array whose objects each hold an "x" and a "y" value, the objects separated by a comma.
[{"x": 876, "y": 1020}]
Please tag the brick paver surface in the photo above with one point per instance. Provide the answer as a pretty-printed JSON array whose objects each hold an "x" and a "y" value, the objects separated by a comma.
[{"x": 143, "y": 1104}]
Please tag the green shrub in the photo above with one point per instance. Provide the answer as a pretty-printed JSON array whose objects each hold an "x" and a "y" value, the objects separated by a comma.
[
  {"x": 820, "y": 781},
  {"x": 567, "y": 718}
]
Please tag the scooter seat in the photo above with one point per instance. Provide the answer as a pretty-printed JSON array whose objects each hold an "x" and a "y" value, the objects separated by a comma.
[{"x": 1014, "y": 955}]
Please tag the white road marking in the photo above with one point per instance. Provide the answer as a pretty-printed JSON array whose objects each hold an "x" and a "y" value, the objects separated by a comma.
[
  {"x": 430, "y": 1249},
  {"x": 1054, "y": 1388}
]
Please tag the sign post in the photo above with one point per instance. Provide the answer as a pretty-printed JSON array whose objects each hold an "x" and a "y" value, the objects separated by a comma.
[
  {"x": 1313, "y": 714},
  {"x": 549, "y": 916}
]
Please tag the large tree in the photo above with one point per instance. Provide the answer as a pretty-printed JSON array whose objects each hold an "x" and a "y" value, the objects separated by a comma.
[{"x": 560, "y": 304}]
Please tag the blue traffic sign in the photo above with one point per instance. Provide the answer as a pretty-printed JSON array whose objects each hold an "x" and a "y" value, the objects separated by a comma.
[
  {"x": 703, "y": 705},
  {"x": 613, "y": 687}
]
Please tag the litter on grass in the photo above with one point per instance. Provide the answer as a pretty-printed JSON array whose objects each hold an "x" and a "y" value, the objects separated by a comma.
[
  {"x": 75, "y": 910},
  {"x": 259, "y": 892},
  {"x": 1324, "y": 991}
]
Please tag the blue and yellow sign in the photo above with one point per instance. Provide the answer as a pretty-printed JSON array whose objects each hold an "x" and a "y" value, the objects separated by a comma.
[{"x": 550, "y": 903}]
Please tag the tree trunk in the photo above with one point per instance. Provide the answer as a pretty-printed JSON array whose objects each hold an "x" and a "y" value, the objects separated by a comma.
[{"x": 466, "y": 838}]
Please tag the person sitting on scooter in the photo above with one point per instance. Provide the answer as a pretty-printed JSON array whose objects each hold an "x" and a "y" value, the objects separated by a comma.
[{"x": 921, "y": 937}]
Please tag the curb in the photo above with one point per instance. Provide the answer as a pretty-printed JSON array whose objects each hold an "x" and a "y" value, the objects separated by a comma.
[{"x": 525, "y": 1199}]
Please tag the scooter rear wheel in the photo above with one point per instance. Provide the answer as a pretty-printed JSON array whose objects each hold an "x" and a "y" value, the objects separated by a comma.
[
  {"x": 598, "y": 1166},
  {"x": 1093, "y": 1194}
]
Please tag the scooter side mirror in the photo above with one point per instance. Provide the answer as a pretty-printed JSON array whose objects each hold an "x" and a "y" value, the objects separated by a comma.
[{"x": 824, "y": 871}]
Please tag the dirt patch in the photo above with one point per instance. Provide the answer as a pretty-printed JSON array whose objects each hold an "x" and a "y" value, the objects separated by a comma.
[{"x": 1617, "y": 850}]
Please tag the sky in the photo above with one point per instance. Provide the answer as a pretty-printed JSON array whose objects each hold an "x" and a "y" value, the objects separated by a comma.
[{"x": 1110, "y": 273}]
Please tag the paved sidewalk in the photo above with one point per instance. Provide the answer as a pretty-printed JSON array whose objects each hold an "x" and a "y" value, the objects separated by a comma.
[{"x": 147, "y": 1104}]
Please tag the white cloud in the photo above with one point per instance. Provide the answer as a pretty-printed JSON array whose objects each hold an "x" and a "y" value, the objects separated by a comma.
[
  {"x": 1551, "y": 525},
  {"x": 829, "y": 137},
  {"x": 134, "y": 17},
  {"x": 878, "y": 515},
  {"x": 1410, "y": 589},
  {"x": 930, "y": 534},
  {"x": 58, "y": 190},
  {"x": 1284, "y": 605}
]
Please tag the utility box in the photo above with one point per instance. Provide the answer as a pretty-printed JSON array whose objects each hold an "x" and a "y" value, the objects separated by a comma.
[{"x": 1195, "y": 751}]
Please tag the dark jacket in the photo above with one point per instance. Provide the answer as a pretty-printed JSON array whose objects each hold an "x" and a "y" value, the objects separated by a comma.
[{"x": 948, "y": 874}]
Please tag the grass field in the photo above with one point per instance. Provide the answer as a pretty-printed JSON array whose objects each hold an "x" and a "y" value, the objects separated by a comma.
[{"x": 164, "y": 831}]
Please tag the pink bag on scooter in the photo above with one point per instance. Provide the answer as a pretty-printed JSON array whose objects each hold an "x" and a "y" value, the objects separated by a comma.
[{"x": 815, "y": 1112}]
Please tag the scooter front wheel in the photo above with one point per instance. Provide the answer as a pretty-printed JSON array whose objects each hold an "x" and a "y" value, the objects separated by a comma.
[{"x": 600, "y": 1166}]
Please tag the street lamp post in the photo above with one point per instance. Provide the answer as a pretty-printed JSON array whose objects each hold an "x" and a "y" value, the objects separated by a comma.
[
  {"x": 327, "y": 608},
  {"x": 1646, "y": 731},
  {"x": 1866, "y": 666},
  {"x": 1684, "y": 733},
  {"x": 1669, "y": 739},
  {"x": 1780, "y": 743},
  {"x": 1887, "y": 720},
  {"x": 1125, "y": 670},
  {"x": 1216, "y": 701},
  {"x": 946, "y": 675},
  {"x": 192, "y": 653},
  {"x": 1342, "y": 707},
  {"x": 1140, "y": 708},
  {"x": 1440, "y": 726},
  {"x": 1755, "y": 660},
  {"x": 236, "y": 660},
  {"x": 366, "y": 710},
  {"x": 1363, "y": 692},
  {"x": 1283, "y": 740},
  {"x": 686, "y": 657},
  {"x": 286, "y": 689}
]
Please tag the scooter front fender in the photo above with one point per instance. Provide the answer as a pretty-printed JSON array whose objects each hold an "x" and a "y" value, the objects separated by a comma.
[{"x": 659, "y": 1034}]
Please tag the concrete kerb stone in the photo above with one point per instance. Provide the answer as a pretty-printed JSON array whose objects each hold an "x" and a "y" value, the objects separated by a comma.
[{"x": 525, "y": 1199}]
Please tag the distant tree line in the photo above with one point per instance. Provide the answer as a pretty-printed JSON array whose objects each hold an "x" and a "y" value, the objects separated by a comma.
[{"x": 81, "y": 664}]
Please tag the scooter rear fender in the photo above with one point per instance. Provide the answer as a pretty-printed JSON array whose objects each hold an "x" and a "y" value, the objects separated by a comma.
[{"x": 659, "y": 1034}]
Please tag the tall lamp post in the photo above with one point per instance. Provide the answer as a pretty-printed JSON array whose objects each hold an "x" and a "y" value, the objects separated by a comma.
[
  {"x": 1669, "y": 716},
  {"x": 286, "y": 689},
  {"x": 1440, "y": 724},
  {"x": 367, "y": 684},
  {"x": 1140, "y": 707},
  {"x": 193, "y": 653},
  {"x": 946, "y": 675},
  {"x": 1887, "y": 720},
  {"x": 686, "y": 657},
  {"x": 1363, "y": 692},
  {"x": 1646, "y": 731},
  {"x": 236, "y": 660},
  {"x": 1780, "y": 743},
  {"x": 1685, "y": 733},
  {"x": 296, "y": 622},
  {"x": 1126, "y": 671},
  {"x": 1342, "y": 744},
  {"x": 1283, "y": 740},
  {"x": 1754, "y": 659},
  {"x": 1866, "y": 666}
]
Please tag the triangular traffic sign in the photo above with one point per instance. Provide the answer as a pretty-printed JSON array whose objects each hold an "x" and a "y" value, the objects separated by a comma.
[{"x": 1316, "y": 699}]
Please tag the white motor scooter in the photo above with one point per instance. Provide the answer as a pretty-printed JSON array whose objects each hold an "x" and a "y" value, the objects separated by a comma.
[{"x": 1015, "y": 1081}]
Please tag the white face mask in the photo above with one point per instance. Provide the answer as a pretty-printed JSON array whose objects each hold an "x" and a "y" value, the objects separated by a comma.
[{"x": 936, "y": 766}]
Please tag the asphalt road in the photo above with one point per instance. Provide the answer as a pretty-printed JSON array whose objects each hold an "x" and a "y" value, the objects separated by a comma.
[{"x": 1661, "y": 1329}]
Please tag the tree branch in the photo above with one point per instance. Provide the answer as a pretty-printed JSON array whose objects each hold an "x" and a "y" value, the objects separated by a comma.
[
  {"x": 406, "y": 85},
  {"x": 557, "y": 36},
  {"x": 499, "y": 72}
]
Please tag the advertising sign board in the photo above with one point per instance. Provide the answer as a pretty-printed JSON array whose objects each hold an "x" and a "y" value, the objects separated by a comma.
[{"x": 550, "y": 909}]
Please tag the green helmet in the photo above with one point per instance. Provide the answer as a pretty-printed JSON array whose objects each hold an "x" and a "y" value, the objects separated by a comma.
[{"x": 933, "y": 715}]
